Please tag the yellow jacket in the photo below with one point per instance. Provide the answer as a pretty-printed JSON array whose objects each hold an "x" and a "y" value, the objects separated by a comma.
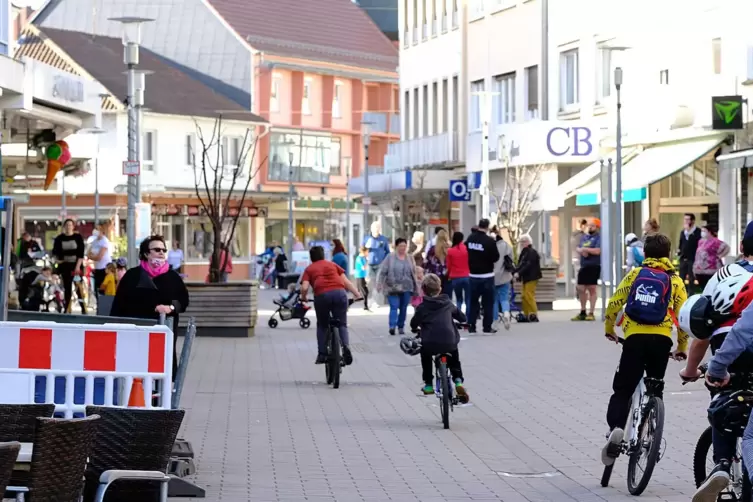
[
  {"x": 108, "y": 285},
  {"x": 630, "y": 327}
]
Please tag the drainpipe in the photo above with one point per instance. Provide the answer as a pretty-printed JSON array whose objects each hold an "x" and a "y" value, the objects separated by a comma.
[{"x": 546, "y": 240}]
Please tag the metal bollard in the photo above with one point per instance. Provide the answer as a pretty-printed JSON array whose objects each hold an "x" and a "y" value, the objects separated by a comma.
[{"x": 185, "y": 355}]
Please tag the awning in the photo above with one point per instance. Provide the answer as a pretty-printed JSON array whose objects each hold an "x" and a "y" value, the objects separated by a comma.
[
  {"x": 652, "y": 165},
  {"x": 590, "y": 173}
]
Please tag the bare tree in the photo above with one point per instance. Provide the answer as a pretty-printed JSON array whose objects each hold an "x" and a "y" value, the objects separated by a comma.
[
  {"x": 419, "y": 206},
  {"x": 222, "y": 183},
  {"x": 515, "y": 199}
]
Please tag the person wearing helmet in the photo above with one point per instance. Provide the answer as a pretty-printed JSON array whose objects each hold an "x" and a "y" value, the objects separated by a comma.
[
  {"x": 651, "y": 294},
  {"x": 709, "y": 317},
  {"x": 434, "y": 318},
  {"x": 634, "y": 253}
]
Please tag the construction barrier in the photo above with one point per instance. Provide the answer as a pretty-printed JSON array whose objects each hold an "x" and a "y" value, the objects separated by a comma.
[{"x": 78, "y": 365}]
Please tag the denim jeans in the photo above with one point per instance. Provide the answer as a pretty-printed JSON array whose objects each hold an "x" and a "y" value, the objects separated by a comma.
[
  {"x": 398, "y": 308},
  {"x": 502, "y": 299},
  {"x": 482, "y": 289},
  {"x": 462, "y": 288},
  {"x": 335, "y": 302}
]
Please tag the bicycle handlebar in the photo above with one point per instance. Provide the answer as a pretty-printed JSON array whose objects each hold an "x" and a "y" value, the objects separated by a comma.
[{"x": 621, "y": 341}]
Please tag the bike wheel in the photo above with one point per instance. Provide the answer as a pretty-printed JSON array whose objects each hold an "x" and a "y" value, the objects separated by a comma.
[
  {"x": 327, "y": 366},
  {"x": 649, "y": 445},
  {"x": 334, "y": 358},
  {"x": 445, "y": 406},
  {"x": 606, "y": 475},
  {"x": 703, "y": 462},
  {"x": 700, "y": 457}
]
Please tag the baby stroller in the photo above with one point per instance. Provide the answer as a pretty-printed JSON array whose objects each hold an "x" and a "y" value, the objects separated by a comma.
[
  {"x": 290, "y": 307},
  {"x": 515, "y": 311}
]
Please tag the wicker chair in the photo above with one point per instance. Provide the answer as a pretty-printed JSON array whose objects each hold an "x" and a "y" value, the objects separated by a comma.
[
  {"x": 58, "y": 462},
  {"x": 8, "y": 457},
  {"x": 132, "y": 451},
  {"x": 19, "y": 421}
]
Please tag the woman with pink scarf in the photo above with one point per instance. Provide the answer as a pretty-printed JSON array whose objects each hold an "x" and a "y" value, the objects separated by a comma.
[
  {"x": 151, "y": 288},
  {"x": 708, "y": 258}
]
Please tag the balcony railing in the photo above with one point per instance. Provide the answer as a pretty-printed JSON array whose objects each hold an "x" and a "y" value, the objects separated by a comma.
[
  {"x": 433, "y": 27},
  {"x": 406, "y": 39},
  {"x": 415, "y": 35},
  {"x": 380, "y": 123},
  {"x": 454, "y": 19},
  {"x": 444, "y": 23},
  {"x": 279, "y": 171},
  {"x": 429, "y": 151}
]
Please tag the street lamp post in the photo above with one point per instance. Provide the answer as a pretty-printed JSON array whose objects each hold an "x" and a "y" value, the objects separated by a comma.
[
  {"x": 618, "y": 179},
  {"x": 348, "y": 232},
  {"x": 291, "y": 194},
  {"x": 366, "y": 130},
  {"x": 131, "y": 40}
]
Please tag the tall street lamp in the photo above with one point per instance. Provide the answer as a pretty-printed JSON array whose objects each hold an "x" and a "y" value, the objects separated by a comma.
[
  {"x": 131, "y": 41},
  {"x": 291, "y": 194},
  {"x": 618, "y": 180},
  {"x": 348, "y": 232},
  {"x": 366, "y": 134}
]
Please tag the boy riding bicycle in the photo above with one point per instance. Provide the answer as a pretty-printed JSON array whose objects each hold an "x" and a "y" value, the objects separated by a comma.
[
  {"x": 651, "y": 294},
  {"x": 435, "y": 317},
  {"x": 329, "y": 283}
]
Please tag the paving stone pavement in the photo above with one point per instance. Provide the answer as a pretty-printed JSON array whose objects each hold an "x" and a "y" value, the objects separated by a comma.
[{"x": 265, "y": 427}]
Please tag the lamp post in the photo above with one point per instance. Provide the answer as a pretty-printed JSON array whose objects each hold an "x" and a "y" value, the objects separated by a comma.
[
  {"x": 291, "y": 194},
  {"x": 618, "y": 179},
  {"x": 366, "y": 133},
  {"x": 348, "y": 232},
  {"x": 131, "y": 40}
]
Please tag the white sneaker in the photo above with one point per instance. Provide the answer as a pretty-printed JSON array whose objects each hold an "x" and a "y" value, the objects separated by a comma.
[
  {"x": 613, "y": 441},
  {"x": 711, "y": 488},
  {"x": 506, "y": 320}
]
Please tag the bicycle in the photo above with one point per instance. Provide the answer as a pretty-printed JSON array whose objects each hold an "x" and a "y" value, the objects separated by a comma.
[
  {"x": 739, "y": 488},
  {"x": 334, "y": 365},
  {"x": 643, "y": 433}
]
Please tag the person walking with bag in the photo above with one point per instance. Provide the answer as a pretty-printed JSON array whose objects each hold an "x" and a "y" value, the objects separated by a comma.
[
  {"x": 503, "y": 270},
  {"x": 396, "y": 279}
]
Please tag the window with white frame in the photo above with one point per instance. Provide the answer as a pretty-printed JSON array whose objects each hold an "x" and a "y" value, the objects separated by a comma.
[
  {"x": 716, "y": 55},
  {"x": 306, "y": 99},
  {"x": 335, "y": 151},
  {"x": 477, "y": 89},
  {"x": 664, "y": 77},
  {"x": 336, "y": 100},
  {"x": 504, "y": 98},
  {"x": 148, "y": 150},
  {"x": 476, "y": 10},
  {"x": 569, "y": 82},
  {"x": 532, "y": 92},
  {"x": 603, "y": 74},
  {"x": 190, "y": 149},
  {"x": 231, "y": 150},
  {"x": 274, "y": 93},
  {"x": 497, "y": 5}
]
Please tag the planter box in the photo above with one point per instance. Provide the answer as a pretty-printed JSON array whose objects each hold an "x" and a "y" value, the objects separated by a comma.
[
  {"x": 546, "y": 289},
  {"x": 226, "y": 310}
]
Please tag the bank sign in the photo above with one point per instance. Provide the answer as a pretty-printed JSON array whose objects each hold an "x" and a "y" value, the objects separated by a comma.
[{"x": 546, "y": 142}]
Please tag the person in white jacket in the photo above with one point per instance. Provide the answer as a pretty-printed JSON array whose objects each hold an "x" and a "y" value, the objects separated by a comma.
[
  {"x": 502, "y": 280},
  {"x": 633, "y": 251}
]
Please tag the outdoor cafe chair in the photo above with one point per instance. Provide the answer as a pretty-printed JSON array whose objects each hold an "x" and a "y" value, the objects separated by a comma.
[
  {"x": 58, "y": 460},
  {"x": 130, "y": 458},
  {"x": 8, "y": 456},
  {"x": 19, "y": 421}
]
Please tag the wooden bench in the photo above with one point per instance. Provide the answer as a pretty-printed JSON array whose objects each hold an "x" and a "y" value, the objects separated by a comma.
[
  {"x": 546, "y": 289},
  {"x": 222, "y": 310}
]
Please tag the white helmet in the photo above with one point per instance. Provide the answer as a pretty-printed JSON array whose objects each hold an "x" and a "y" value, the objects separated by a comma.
[
  {"x": 724, "y": 286},
  {"x": 694, "y": 317},
  {"x": 630, "y": 238}
]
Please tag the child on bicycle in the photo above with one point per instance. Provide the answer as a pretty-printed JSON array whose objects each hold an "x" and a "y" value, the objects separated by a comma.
[
  {"x": 434, "y": 317},
  {"x": 330, "y": 285},
  {"x": 651, "y": 294}
]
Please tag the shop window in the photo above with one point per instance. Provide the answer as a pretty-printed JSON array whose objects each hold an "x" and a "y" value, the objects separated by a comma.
[
  {"x": 311, "y": 154},
  {"x": 200, "y": 238}
]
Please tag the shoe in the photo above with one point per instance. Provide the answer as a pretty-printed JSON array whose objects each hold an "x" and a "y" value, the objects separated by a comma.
[
  {"x": 392, "y": 331},
  {"x": 506, "y": 320},
  {"x": 367, "y": 309},
  {"x": 400, "y": 331},
  {"x": 580, "y": 317},
  {"x": 321, "y": 359},
  {"x": 461, "y": 392},
  {"x": 590, "y": 317},
  {"x": 611, "y": 450},
  {"x": 490, "y": 331},
  {"x": 715, "y": 483},
  {"x": 521, "y": 318},
  {"x": 347, "y": 356},
  {"x": 472, "y": 329},
  {"x": 533, "y": 318},
  {"x": 427, "y": 389}
]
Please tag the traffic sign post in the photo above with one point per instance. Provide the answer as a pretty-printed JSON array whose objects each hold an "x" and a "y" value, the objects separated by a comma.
[
  {"x": 459, "y": 191},
  {"x": 131, "y": 168}
]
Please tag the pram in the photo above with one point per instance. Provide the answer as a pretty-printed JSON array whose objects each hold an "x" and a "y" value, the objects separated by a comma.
[
  {"x": 515, "y": 310},
  {"x": 290, "y": 307}
]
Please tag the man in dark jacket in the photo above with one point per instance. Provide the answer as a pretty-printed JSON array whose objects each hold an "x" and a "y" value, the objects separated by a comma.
[
  {"x": 482, "y": 255},
  {"x": 434, "y": 317},
  {"x": 689, "y": 238},
  {"x": 528, "y": 272}
]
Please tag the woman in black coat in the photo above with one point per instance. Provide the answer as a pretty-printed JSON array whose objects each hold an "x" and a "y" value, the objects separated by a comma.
[
  {"x": 152, "y": 288},
  {"x": 528, "y": 272}
]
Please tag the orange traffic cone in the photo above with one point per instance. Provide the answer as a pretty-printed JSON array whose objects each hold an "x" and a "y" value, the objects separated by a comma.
[{"x": 136, "y": 399}]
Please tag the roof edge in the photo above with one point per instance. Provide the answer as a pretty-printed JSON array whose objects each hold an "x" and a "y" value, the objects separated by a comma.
[{"x": 224, "y": 114}]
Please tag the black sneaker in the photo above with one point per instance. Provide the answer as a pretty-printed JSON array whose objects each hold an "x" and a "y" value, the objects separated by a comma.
[
  {"x": 715, "y": 483},
  {"x": 321, "y": 359},
  {"x": 533, "y": 318},
  {"x": 347, "y": 356},
  {"x": 392, "y": 331},
  {"x": 471, "y": 329},
  {"x": 490, "y": 331},
  {"x": 400, "y": 331}
]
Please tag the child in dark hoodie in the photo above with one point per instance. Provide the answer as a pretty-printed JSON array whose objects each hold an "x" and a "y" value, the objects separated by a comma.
[{"x": 438, "y": 334}]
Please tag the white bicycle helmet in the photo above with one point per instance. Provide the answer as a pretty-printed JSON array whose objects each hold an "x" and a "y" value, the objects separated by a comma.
[
  {"x": 629, "y": 238},
  {"x": 694, "y": 318},
  {"x": 724, "y": 286}
]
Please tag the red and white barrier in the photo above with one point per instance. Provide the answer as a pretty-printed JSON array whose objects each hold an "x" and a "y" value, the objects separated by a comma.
[{"x": 108, "y": 351}]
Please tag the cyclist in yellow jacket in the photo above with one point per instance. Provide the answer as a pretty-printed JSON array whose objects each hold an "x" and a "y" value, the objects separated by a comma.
[{"x": 651, "y": 295}]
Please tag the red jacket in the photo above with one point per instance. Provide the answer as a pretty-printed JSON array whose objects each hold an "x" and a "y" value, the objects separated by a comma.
[
  {"x": 457, "y": 262},
  {"x": 228, "y": 267}
]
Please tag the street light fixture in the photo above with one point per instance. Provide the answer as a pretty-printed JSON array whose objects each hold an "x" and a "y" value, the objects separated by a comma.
[
  {"x": 618, "y": 178},
  {"x": 291, "y": 194},
  {"x": 348, "y": 232},
  {"x": 131, "y": 37},
  {"x": 366, "y": 134}
]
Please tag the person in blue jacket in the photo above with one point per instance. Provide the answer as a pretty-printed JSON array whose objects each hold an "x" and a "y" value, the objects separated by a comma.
[
  {"x": 378, "y": 247},
  {"x": 339, "y": 255}
]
